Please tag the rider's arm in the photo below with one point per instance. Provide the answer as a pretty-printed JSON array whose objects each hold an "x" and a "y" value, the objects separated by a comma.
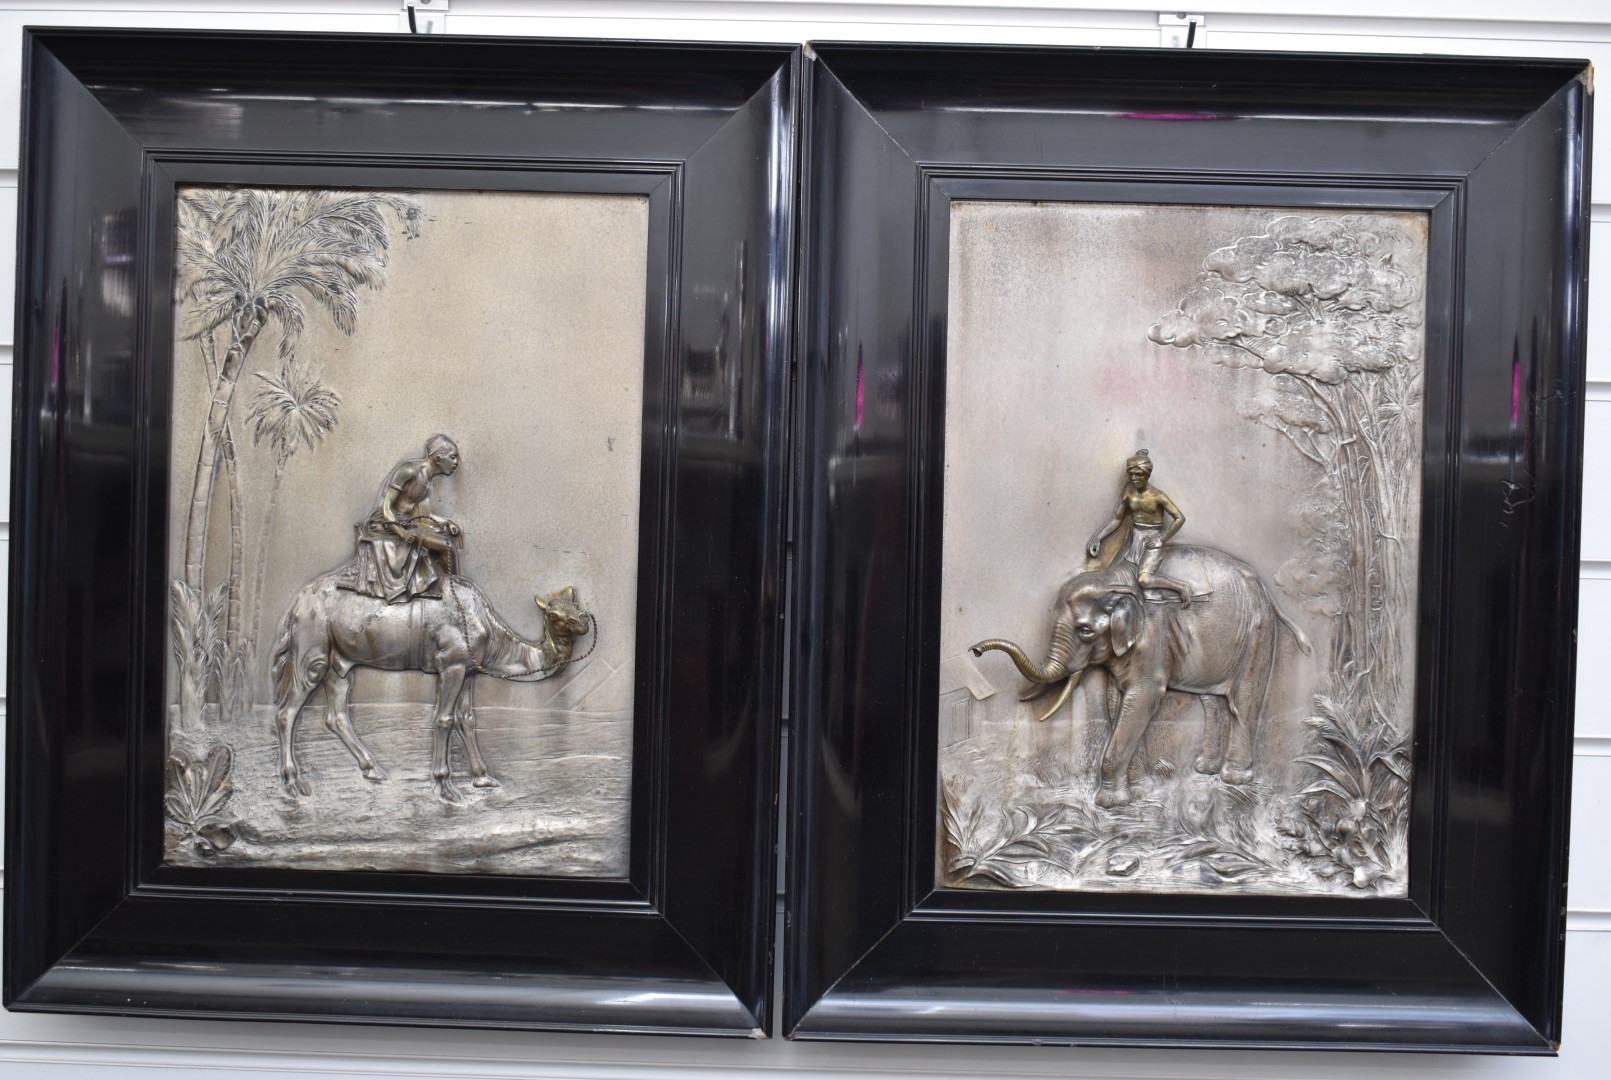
[
  {"x": 1177, "y": 519},
  {"x": 1108, "y": 529}
]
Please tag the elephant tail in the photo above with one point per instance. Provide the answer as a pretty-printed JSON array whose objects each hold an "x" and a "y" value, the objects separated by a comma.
[{"x": 1292, "y": 628}]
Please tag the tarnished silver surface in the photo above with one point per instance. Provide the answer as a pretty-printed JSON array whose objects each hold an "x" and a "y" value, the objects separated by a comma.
[
  {"x": 1209, "y": 746},
  {"x": 513, "y": 321}
]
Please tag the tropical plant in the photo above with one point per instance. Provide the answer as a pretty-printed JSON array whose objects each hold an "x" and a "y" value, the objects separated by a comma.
[
  {"x": 1211, "y": 825},
  {"x": 1007, "y": 846},
  {"x": 292, "y": 410},
  {"x": 1352, "y": 819},
  {"x": 197, "y": 639},
  {"x": 249, "y": 257},
  {"x": 197, "y": 794}
]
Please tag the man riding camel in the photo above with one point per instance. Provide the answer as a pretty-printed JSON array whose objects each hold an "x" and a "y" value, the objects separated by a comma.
[{"x": 404, "y": 550}]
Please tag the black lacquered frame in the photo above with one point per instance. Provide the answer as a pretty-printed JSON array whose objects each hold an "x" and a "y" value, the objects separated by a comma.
[
  {"x": 93, "y": 922},
  {"x": 1495, "y": 152}
]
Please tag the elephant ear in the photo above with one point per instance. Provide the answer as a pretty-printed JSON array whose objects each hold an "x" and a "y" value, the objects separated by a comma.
[{"x": 1123, "y": 618}]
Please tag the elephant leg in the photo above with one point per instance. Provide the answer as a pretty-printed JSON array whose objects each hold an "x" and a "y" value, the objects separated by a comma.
[
  {"x": 1214, "y": 733},
  {"x": 339, "y": 685},
  {"x": 1246, "y": 701},
  {"x": 1244, "y": 710},
  {"x": 1136, "y": 710},
  {"x": 464, "y": 719},
  {"x": 449, "y": 684},
  {"x": 304, "y": 679}
]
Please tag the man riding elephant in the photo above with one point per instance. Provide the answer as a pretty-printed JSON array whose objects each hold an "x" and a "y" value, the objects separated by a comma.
[
  {"x": 404, "y": 550},
  {"x": 1145, "y": 509}
]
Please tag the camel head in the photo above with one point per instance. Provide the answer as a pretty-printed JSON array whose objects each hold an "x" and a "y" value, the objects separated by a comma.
[{"x": 562, "y": 615}]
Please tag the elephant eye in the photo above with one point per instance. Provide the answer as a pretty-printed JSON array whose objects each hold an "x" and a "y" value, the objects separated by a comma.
[{"x": 1085, "y": 632}]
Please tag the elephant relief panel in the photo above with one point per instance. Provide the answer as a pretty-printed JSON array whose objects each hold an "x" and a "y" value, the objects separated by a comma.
[
  {"x": 1182, "y": 520},
  {"x": 403, "y": 529}
]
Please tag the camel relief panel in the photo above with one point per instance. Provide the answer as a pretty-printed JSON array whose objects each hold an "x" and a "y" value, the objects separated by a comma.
[
  {"x": 403, "y": 529},
  {"x": 1182, "y": 526}
]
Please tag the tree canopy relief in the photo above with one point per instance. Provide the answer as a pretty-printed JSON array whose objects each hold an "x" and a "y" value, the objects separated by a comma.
[{"x": 1327, "y": 308}]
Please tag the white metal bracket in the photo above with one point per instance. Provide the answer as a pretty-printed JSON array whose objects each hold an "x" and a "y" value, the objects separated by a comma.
[
  {"x": 1180, "y": 31},
  {"x": 424, "y": 16}
]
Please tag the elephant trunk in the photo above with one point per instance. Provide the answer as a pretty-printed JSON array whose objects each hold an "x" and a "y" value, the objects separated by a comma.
[{"x": 1056, "y": 667}]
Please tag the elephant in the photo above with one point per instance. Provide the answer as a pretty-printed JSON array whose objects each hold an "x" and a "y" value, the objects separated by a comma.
[{"x": 1222, "y": 648}]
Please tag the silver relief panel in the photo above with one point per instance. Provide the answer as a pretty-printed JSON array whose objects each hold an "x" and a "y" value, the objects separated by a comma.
[
  {"x": 403, "y": 529},
  {"x": 1189, "y": 669}
]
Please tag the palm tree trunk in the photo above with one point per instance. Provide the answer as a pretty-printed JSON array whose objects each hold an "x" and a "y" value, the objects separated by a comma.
[
  {"x": 232, "y": 678},
  {"x": 255, "y": 642},
  {"x": 237, "y": 540},
  {"x": 244, "y": 331}
]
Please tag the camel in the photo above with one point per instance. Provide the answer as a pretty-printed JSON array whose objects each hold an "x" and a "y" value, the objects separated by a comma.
[{"x": 330, "y": 631}]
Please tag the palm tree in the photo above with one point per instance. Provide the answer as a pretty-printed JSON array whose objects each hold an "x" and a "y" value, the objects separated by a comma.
[
  {"x": 291, "y": 411},
  {"x": 247, "y": 257},
  {"x": 251, "y": 256}
]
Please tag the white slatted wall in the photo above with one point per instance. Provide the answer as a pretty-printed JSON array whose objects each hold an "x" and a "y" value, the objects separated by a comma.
[{"x": 110, "y": 1048}]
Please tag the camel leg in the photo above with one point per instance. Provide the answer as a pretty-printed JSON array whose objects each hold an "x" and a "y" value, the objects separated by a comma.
[
  {"x": 286, "y": 716},
  {"x": 449, "y": 684},
  {"x": 339, "y": 685},
  {"x": 1214, "y": 733},
  {"x": 464, "y": 719}
]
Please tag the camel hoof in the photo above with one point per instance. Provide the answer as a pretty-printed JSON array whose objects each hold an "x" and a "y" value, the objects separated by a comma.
[
  {"x": 294, "y": 785},
  {"x": 486, "y": 782},
  {"x": 1206, "y": 765},
  {"x": 1111, "y": 797},
  {"x": 375, "y": 774},
  {"x": 1232, "y": 775},
  {"x": 449, "y": 794}
]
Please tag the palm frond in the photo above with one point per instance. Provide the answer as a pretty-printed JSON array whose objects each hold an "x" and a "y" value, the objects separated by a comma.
[
  {"x": 293, "y": 409},
  {"x": 243, "y": 248}
]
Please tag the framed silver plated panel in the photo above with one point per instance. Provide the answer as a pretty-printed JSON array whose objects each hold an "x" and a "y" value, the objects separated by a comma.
[
  {"x": 1187, "y": 548},
  {"x": 401, "y": 485}
]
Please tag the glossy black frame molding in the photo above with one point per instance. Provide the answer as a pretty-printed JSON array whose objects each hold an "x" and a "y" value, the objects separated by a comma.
[
  {"x": 93, "y": 922},
  {"x": 1495, "y": 151}
]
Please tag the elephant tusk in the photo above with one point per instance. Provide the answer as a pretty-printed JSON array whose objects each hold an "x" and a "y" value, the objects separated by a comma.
[
  {"x": 1068, "y": 688},
  {"x": 1033, "y": 691}
]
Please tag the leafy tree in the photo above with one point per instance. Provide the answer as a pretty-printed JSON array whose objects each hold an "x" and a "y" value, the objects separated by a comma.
[{"x": 1323, "y": 306}]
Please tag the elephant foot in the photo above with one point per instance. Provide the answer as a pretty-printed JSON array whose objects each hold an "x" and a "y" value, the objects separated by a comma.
[
  {"x": 1232, "y": 774},
  {"x": 1207, "y": 765},
  {"x": 1107, "y": 797},
  {"x": 375, "y": 774},
  {"x": 485, "y": 780}
]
